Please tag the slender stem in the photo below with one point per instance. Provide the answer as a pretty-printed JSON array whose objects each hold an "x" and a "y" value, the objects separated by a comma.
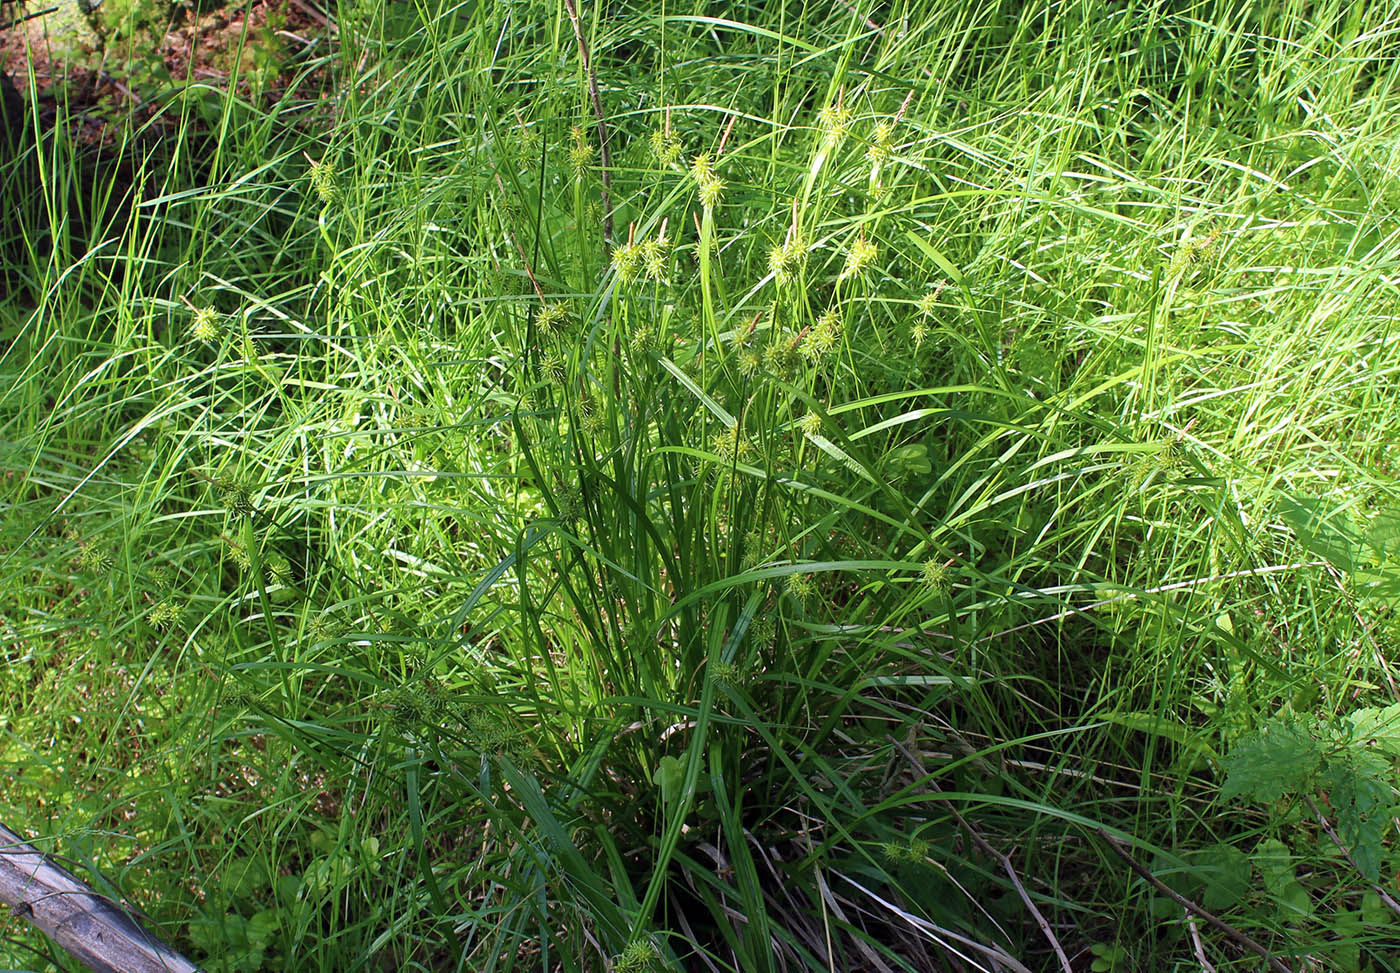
[{"x": 604, "y": 160}]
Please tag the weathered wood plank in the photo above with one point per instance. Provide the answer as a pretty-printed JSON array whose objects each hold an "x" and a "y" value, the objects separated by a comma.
[{"x": 90, "y": 927}]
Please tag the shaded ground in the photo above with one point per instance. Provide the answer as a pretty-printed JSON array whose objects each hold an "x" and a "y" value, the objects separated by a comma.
[{"x": 121, "y": 75}]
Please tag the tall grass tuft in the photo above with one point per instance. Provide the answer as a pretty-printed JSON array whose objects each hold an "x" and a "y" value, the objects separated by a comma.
[{"x": 974, "y": 440}]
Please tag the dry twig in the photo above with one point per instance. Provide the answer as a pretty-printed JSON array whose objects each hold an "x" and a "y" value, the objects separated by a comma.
[
  {"x": 1275, "y": 964},
  {"x": 1390, "y": 902},
  {"x": 1006, "y": 866},
  {"x": 1197, "y": 945}
]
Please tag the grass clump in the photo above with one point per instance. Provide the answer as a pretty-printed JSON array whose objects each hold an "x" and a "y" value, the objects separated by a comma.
[{"x": 951, "y": 464}]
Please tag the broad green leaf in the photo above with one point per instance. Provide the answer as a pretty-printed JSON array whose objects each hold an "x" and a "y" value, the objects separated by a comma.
[
  {"x": 1295, "y": 901},
  {"x": 1377, "y": 727},
  {"x": 1224, "y": 871},
  {"x": 1374, "y": 911},
  {"x": 1322, "y": 532},
  {"x": 912, "y": 458},
  {"x": 670, "y": 777},
  {"x": 246, "y": 878},
  {"x": 1271, "y": 761},
  {"x": 1376, "y": 585},
  {"x": 1383, "y": 534},
  {"x": 1275, "y": 864}
]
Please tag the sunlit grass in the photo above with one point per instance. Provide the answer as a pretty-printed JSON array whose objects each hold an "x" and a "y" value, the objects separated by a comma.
[{"x": 395, "y": 574}]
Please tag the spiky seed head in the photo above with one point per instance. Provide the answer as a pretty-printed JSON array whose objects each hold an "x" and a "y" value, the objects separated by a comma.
[
  {"x": 861, "y": 255},
  {"x": 323, "y": 181},
  {"x": 628, "y": 262},
  {"x": 654, "y": 252},
  {"x": 164, "y": 615},
  {"x": 810, "y": 424},
  {"x": 205, "y": 326},
  {"x": 639, "y": 956},
  {"x": 825, "y": 335},
  {"x": 833, "y": 121},
  {"x": 553, "y": 317},
  {"x": 800, "y": 586},
  {"x": 580, "y": 152},
  {"x": 727, "y": 673},
  {"x": 235, "y": 497},
  {"x": 750, "y": 361},
  {"x": 879, "y": 152},
  {"x": 787, "y": 258},
  {"x": 711, "y": 191},
  {"x": 92, "y": 557},
  {"x": 934, "y": 575},
  {"x": 665, "y": 147}
]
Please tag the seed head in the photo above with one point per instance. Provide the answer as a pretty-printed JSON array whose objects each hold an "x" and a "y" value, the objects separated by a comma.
[
  {"x": 91, "y": 557},
  {"x": 711, "y": 191},
  {"x": 628, "y": 261},
  {"x": 810, "y": 424},
  {"x": 732, "y": 443},
  {"x": 834, "y": 121},
  {"x": 580, "y": 153},
  {"x": 654, "y": 257},
  {"x": 665, "y": 147},
  {"x": 934, "y": 575},
  {"x": 405, "y": 708},
  {"x": 750, "y": 361},
  {"x": 553, "y": 366},
  {"x": 919, "y": 333},
  {"x": 862, "y": 253},
  {"x": 727, "y": 673},
  {"x": 235, "y": 497},
  {"x": 206, "y": 324},
  {"x": 323, "y": 181},
  {"x": 780, "y": 359},
  {"x": 801, "y": 588},
  {"x": 787, "y": 258},
  {"x": 702, "y": 168},
  {"x": 553, "y": 317},
  {"x": 640, "y": 956},
  {"x": 822, "y": 340},
  {"x": 879, "y": 151},
  {"x": 928, "y": 303},
  {"x": 164, "y": 615}
]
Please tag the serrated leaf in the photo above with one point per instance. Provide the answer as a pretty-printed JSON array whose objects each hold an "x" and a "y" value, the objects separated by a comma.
[
  {"x": 1377, "y": 727},
  {"x": 1276, "y": 759},
  {"x": 1323, "y": 532},
  {"x": 1362, "y": 797},
  {"x": 261, "y": 927},
  {"x": 911, "y": 458}
]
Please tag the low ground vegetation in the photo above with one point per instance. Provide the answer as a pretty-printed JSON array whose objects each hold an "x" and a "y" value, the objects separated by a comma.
[{"x": 925, "y": 454}]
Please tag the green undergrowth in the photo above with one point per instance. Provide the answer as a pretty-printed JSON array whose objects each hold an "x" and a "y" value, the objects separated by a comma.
[{"x": 947, "y": 427}]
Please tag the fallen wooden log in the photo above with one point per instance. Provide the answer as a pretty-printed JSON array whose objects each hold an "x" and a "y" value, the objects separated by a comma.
[{"x": 90, "y": 927}]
